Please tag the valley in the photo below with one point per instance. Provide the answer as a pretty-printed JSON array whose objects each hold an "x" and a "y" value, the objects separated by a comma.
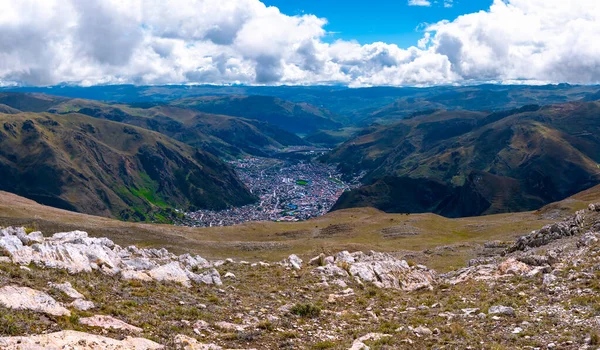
[{"x": 288, "y": 190}]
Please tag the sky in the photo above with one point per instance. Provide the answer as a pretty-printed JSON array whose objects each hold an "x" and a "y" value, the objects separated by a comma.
[
  {"x": 368, "y": 21},
  {"x": 310, "y": 42}
]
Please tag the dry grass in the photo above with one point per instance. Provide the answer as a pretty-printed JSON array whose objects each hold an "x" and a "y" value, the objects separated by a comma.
[{"x": 269, "y": 241}]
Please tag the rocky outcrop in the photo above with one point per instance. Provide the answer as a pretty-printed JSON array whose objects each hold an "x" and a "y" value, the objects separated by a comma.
[
  {"x": 382, "y": 269},
  {"x": 569, "y": 227},
  {"x": 76, "y": 252},
  {"x": 23, "y": 298},
  {"x": 75, "y": 340}
]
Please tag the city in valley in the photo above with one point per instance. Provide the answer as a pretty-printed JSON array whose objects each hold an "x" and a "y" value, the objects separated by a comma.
[{"x": 287, "y": 190}]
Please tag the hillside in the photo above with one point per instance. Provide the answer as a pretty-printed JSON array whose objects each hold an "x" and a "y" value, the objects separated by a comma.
[
  {"x": 538, "y": 291},
  {"x": 299, "y": 118},
  {"x": 106, "y": 168},
  {"x": 462, "y": 163},
  {"x": 221, "y": 135}
]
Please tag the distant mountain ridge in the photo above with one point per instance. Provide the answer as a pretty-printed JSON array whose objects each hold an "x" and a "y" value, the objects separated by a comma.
[{"x": 462, "y": 163}]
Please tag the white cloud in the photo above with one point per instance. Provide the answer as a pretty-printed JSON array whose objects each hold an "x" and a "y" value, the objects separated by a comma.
[
  {"x": 426, "y": 3},
  {"x": 448, "y": 3},
  {"x": 44, "y": 42}
]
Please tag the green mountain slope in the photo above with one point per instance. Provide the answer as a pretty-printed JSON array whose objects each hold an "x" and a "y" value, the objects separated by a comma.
[
  {"x": 106, "y": 168},
  {"x": 471, "y": 163}
]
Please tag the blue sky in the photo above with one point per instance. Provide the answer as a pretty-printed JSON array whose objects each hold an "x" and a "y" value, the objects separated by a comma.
[{"x": 367, "y": 21}]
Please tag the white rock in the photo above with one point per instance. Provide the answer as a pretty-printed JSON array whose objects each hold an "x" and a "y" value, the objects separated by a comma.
[
  {"x": 170, "y": 272},
  {"x": 83, "y": 305},
  {"x": 23, "y": 298},
  {"x": 359, "y": 344},
  {"x": 294, "y": 261},
  {"x": 75, "y": 340},
  {"x": 230, "y": 327},
  {"x": 108, "y": 322},
  {"x": 229, "y": 275},
  {"x": 68, "y": 289},
  {"x": 135, "y": 275},
  {"x": 183, "y": 342},
  {"x": 501, "y": 310},
  {"x": 210, "y": 276}
]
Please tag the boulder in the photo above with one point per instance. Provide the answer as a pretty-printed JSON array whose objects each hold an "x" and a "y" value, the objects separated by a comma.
[
  {"x": 171, "y": 272},
  {"x": 359, "y": 344},
  {"x": 183, "y": 342},
  {"x": 109, "y": 322},
  {"x": 210, "y": 276},
  {"x": 67, "y": 289},
  {"x": 501, "y": 310},
  {"x": 24, "y": 298},
  {"x": 83, "y": 305},
  {"x": 75, "y": 340},
  {"x": 135, "y": 275}
]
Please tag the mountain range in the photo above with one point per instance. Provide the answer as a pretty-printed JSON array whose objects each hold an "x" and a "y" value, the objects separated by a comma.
[{"x": 464, "y": 163}]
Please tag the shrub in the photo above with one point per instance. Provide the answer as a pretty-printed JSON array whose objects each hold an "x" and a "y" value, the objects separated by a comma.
[{"x": 306, "y": 310}]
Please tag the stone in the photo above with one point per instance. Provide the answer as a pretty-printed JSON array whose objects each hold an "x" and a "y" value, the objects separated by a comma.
[
  {"x": 501, "y": 310},
  {"x": 230, "y": 327},
  {"x": 294, "y": 262},
  {"x": 470, "y": 311},
  {"x": 423, "y": 331},
  {"x": 588, "y": 239},
  {"x": 183, "y": 342},
  {"x": 75, "y": 340},
  {"x": 109, "y": 322},
  {"x": 229, "y": 275},
  {"x": 317, "y": 260},
  {"x": 171, "y": 272},
  {"x": 344, "y": 257},
  {"x": 549, "y": 279},
  {"x": 513, "y": 267},
  {"x": 517, "y": 330},
  {"x": 135, "y": 275},
  {"x": 24, "y": 298},
  {"x": 83, "y": 305},
  {"x": 67, "y": 289},
  {"x": 359, "y": 344},
  {"x": 210, "y": 276}
]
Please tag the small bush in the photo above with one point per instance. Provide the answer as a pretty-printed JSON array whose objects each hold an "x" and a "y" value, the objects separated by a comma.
[
  {"x": 306, "y": 310},
  {"x": 327, "y": 344},
  {"x": 266, "y": 325}
]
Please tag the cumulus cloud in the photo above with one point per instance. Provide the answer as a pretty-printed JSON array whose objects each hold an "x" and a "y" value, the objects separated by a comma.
[
  {"x": 419, "y": 3},
  {"x": 45, "y": 42}
]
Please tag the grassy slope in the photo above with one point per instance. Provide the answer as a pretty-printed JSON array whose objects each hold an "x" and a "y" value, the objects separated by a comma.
[
  {"x": 96, "y": 166},
  {"x": 352, "y": 229}
]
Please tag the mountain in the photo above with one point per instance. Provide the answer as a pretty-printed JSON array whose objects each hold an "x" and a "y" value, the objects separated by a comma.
[
  {"x": 349, "y": 106},
  {"x": 462, "y": 163},
  {"x": 221, "y": 135},
  {"x": 224, "y": 136},
  {"x": 297, "y": 118},
  {"x": 101, "y": 167}
]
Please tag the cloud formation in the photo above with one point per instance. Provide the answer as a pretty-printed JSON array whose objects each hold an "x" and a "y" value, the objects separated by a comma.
[
  {"x": 46, "y": 42},
  {"x": 426, "y": 3}
]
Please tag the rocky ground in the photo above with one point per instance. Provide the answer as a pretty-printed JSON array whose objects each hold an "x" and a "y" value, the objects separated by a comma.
[{"x": 71, "y": 291}]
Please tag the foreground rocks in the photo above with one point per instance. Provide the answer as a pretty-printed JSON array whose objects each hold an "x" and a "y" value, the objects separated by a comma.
[
  {"x": 23, "y": 298},
  {"x": 381, "y": 269},
  {"x": 544, "y": 295},
  {"x": 76, "y": 252},
  {"x": 75, "y": 340}
]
